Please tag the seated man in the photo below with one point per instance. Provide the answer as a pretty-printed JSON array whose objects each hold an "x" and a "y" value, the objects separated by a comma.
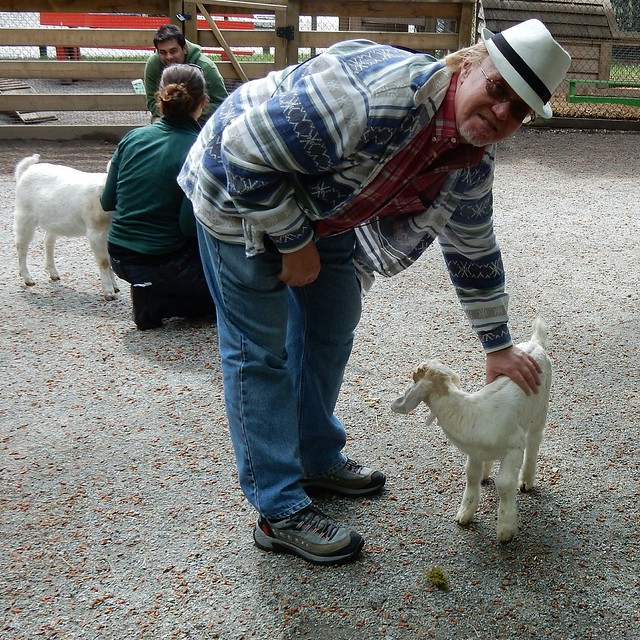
[{"x": 172, "y": 48}]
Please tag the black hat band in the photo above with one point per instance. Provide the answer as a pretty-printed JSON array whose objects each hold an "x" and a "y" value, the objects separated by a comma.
[{"x": 522, "y": 67}]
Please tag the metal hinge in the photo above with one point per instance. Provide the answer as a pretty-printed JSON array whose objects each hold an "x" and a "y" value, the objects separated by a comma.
[{"x": 285, "y": 32}]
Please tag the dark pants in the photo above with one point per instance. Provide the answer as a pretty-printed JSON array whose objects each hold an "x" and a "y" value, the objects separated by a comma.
[{"x": 176, "y": 287}]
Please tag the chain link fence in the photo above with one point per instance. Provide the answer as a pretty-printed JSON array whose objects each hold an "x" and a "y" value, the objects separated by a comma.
[{"x": 603, "y": 37}]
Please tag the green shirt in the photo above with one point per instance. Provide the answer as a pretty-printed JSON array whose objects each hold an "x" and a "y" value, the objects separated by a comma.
[
  {"x": 152, "y": 214},
  {"x": 214, "y": 82}
]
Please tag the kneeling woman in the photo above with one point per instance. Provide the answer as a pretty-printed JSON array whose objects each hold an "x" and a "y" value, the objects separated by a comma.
[{"x": 152, "y": 242}]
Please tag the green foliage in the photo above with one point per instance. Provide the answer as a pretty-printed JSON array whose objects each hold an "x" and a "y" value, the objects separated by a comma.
[{"x": 621, "y": 72}]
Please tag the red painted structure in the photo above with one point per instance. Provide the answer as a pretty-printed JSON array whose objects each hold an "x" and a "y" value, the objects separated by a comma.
[{"x": 137, "y": 21}]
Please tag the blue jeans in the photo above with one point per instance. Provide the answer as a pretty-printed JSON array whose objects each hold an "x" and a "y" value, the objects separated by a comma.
[{"x": 284, "y": 351}]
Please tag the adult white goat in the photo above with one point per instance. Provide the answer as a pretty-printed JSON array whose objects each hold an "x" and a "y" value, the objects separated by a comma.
[
  {"x": 499, "y": 422},
  {"x": 64, "y": 202}
]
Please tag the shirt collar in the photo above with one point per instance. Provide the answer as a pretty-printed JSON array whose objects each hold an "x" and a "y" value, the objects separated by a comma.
[{"x": 445, "y": 118}]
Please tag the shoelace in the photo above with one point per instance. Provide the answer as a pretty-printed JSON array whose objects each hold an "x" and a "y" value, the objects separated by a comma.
[
  {"x": 314, "y": 520},
  {"x": 352, "y": 466}
]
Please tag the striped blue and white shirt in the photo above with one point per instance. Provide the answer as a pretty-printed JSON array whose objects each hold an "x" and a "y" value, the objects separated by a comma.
[{"x": 297, "y": 146}]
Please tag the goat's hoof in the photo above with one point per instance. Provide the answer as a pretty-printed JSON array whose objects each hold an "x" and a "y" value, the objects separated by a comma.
[
  {"x": 526, "y": 487},
  {"x": 464, "y": 519},
  {"x": 109, "y": 296},
  {"x": 506, "y": 535},
  {"x": 505, "y": 539},
  {"x": 55, "y": 278},
  {"x": 29, "y": 283}
]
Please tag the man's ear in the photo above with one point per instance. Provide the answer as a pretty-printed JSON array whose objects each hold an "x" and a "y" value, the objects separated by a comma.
[{"x": 465, "y": 70}]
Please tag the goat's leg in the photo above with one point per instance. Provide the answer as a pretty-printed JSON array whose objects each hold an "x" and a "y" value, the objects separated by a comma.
[
  {"x": 114, "y": 281},
  {"x": 506, "y": 485},
  {"x": 528, "y": 471},
  {"x": 49, "y": 255},
  {"x": 471, "y": 496},
  {"x": 98, "y": 244},
  {"x": 24, "y": 231}
]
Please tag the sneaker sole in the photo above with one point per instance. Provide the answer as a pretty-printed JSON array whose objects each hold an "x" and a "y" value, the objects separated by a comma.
[
  {"x": 340, "y": 490},
  {"x": 267, "y": 543}
]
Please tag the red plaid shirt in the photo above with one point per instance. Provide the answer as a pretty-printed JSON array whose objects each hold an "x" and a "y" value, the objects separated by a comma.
[{"x": 412, "y": 179}]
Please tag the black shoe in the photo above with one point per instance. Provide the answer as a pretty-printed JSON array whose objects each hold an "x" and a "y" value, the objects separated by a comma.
[
  {"x": 143, "y": 324},
  {"x": 352, "y": 479},
  {"x": 145, "y": 312},
  {"x": 311, "y": 535}
]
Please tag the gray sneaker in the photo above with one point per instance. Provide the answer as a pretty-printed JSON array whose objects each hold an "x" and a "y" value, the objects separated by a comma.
[
  {"x": 352, "y": 479},
  {"x": 311, "y": 535}
]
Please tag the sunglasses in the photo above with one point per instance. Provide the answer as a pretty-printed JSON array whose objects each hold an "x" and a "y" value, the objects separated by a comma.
[{"x": 497, "y": 90}]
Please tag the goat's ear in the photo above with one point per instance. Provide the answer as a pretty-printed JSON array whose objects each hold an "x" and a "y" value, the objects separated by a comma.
[{"x": 409, "y": 401}]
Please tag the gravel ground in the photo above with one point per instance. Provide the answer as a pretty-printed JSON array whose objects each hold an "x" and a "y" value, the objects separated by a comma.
[{"x": 121, "y": 513}]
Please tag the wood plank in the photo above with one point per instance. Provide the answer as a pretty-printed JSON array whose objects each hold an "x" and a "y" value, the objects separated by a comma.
[
  {"x": 79, "y": 37},
  {"x": 69, "y": 69},
  {"x": 112, "y": 38},
  {"x": 25, "y": 95},
  {"x": 9, "y": 84},
  {"x": 83, "y": 6},
  {"x": 429, "y": 11},
  {"x": 248, "y": 7},
  {"x": 238, "y": 38},
  {"x": 72, "y": 69},
  {"x": 413, "y": 8},
  {"x": 252, "y": 69},
  {"x": 110, "y": 133},
  {"x": 386, "y": 9},
  {"x": 76, "y": 101},
  {"x": 34, "y": 117},
  {"x": 419, "y": 41},
  {"x": 237, "y": 67},
  {"x": 465, "y": 27}
]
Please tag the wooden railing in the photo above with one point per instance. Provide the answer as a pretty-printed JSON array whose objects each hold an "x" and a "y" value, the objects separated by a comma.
[{"x": 285, "y": 39}]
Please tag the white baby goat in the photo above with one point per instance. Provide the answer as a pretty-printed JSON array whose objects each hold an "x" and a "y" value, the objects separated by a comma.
[
  {"x": 64, "y": 202},
  {"x": 499, "y": 422}
]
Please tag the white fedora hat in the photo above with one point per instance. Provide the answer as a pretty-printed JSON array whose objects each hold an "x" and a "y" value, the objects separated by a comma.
[{"x": 530, "y": 60}]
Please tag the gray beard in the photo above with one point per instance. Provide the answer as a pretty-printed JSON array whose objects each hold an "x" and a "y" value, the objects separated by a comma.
[{"x": 469, "y": 138}]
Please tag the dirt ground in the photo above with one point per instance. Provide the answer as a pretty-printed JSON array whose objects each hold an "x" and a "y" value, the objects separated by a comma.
[{"x": 120, "y": 514}]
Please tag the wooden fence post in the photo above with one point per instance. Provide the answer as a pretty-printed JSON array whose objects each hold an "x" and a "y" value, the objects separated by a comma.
[
  {"x": 175, "y": 8},
  {"x": 465, "y": 28},
  {"x": 191, "y": 24},
  {"x": 287, "y": 35}
]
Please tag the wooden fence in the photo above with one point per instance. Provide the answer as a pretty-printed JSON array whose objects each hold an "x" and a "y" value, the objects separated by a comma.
[{"x": 285, "y": 39}]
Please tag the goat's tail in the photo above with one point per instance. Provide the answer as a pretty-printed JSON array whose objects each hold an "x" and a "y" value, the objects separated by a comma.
[
  {"x": 540, "y": 332},
  {"x": 24, "y": 164}
]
